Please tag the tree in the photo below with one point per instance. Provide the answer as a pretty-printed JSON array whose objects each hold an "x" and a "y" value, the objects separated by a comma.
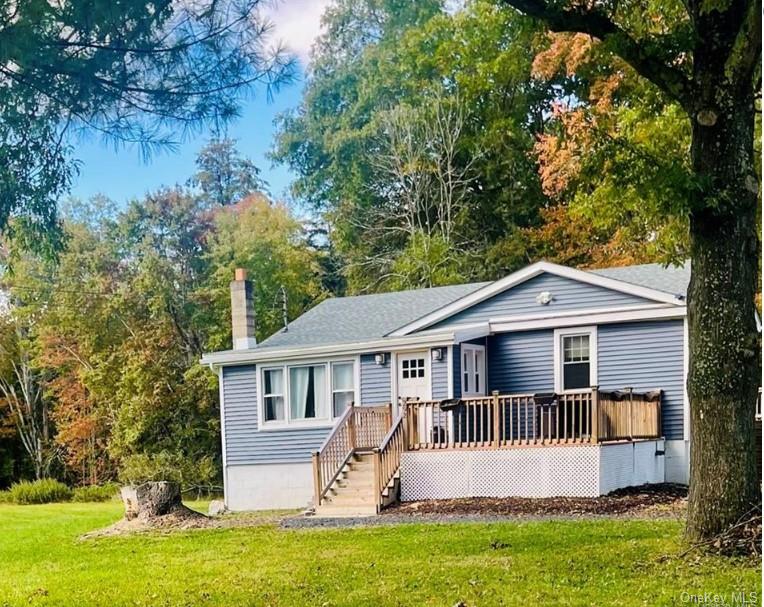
[
  {"x": 706, "y": 57},
  {"x": 270, "y": 243},
  {"x": 21, "y": 391},
  {"x": 412, "y": 232},
  {"x": 378, "y": 55},
  {"x": 223, "y": 176},
  {"x": 136, "y": 72},
  {"x": 612, "y": 137}
]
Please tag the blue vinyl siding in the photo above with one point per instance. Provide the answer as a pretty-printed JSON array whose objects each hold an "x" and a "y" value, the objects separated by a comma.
[
  {"x": 643, "y": 355},
  {"x": 568, "y": 295},
  {"x": 521, "y": 363},
  {"x": 375, "y": 380},
  {"x": 244, "y": 443},
  {"x": 439, "y": 370},
  {"x": 646, "y": 356}
]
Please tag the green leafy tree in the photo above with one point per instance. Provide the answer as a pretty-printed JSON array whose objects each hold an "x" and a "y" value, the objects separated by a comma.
[
  {"x": 270, "y": 243},
  {"x": 401, "y": 55},
  {"x": 223, "y": 175},
  {"x": 135, "y": 72},
  {"x": 705, "y": 57}
]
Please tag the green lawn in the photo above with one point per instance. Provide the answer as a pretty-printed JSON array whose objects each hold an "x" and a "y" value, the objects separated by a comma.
[{"x": 540, "y": 563}]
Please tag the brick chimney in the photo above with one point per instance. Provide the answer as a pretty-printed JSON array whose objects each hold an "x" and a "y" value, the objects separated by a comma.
[{"x": 242, "y": 311}]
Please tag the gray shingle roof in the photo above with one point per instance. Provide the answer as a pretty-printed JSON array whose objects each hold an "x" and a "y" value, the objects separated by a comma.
[
  {"x": 364, "y": 317},
  {"x": 671, "y": 279}
]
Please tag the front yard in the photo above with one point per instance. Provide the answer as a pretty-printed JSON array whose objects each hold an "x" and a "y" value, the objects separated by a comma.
[{"x": 585, "y": 562}]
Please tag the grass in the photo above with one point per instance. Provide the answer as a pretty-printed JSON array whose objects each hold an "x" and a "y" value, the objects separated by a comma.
[{"x": 602, "y": 562}]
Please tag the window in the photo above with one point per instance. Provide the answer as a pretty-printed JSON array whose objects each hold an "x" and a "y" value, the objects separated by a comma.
[
  {"x": 273, "y": 394},
  {"x": 307, "y": 393},
  {"x": 575, "y": 359},
  {"x": 411, "y": 368},
  {"x": 343, "y": 392},
  {"x": 473, "y": 370}
]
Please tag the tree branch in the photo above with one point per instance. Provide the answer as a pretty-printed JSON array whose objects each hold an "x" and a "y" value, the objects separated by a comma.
[
  {"x": 745, "y": 54},
  {"x": 598, "y": 25}
]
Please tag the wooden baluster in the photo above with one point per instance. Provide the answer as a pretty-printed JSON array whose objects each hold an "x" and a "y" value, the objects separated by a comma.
[
  {"x": 351, "y": 427},
  {"x": 595, "y": 414},
  {"x": 496, "y": 418},
  {"x": 512, "y": 403},
  {"x": 377, "y": 470},
  {"x": 631, "y": 412},
  {"x": 560, "y": 402}
]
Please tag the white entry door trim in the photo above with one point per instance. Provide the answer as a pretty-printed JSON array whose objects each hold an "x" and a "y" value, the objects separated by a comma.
[{"x": 413, "y": 387}]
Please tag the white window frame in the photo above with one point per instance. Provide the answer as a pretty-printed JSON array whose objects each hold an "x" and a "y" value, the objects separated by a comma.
[
  {"x": 591, "y": 331},
  {"x": 472, "y": 349},
  {"x": 333, "y": 390},
  {"x": 288, "y": 422},
  {"x": 263, "y": 395}
]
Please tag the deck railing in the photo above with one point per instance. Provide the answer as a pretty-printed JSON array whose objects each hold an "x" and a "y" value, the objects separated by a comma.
[
  {"x": 357, "y": 428},
  {"x": 498, "y": 421},
  {"x": 387, "y": 459}
]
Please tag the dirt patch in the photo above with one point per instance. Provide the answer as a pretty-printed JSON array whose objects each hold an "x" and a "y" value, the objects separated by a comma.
[
  {"x": 177, "y": 519},
  {"x": 664, "y": 501},
  {"x": 182, "y": 519}
]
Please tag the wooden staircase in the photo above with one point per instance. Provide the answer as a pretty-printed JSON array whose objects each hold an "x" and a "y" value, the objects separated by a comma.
[
  {"x": 353, "y": 492},
  {"x": 356, "y": 470}
]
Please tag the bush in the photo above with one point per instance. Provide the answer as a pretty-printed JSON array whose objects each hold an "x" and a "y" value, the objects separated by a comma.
[
  {"x": 96, "y": 493},
  {"x": 44, "y": 491}
]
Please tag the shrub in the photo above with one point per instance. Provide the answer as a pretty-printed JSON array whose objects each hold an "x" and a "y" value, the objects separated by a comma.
[
  {"x": 43, "y": 491},
  {"x": 5, "y": 497},
  {"x": 96, "y": 493}
]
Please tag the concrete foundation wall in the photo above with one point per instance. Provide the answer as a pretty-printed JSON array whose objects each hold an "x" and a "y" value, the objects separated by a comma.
[
  {"x": 269, "y": 486},
  {"x": 630, "y": 465},
  {"x": 678, "y": 461}
]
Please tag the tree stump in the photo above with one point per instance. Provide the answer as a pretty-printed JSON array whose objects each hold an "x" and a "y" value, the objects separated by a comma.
[{"x": 150, "y": 500}]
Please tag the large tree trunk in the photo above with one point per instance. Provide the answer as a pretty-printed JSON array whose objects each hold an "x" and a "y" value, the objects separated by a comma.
[{"x": 724, "y": 366}]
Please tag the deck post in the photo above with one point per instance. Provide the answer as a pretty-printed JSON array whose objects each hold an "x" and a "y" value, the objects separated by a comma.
[
  {"x": 595, "y": 425},
  {"x": 351, "y": 427},
  {"x": 377, "y": 468},
  {"x": 496, "y": 418},
  {"x": 316, "y": 480}
]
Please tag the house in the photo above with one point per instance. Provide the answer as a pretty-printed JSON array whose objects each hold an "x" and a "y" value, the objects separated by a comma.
[{"x": 551, "y": 381}]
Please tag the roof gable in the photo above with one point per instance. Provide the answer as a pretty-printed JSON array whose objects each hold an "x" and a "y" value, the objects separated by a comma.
[
  {"x": 476, "y": 307},
  {"x": 567, "y": 295}
]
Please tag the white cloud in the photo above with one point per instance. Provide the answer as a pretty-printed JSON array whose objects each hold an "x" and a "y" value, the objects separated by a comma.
[{"x": 297, "y": 23}]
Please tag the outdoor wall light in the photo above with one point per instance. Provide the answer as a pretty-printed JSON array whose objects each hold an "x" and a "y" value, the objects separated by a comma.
[
  {"x": 379, "y": 358},
  {"x": 437, "y": 354},
  {"x": 544, "y": 298}
]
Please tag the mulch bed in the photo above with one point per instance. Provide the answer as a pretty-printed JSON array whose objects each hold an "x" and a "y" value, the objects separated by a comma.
[{"x": 664, "y": 500}]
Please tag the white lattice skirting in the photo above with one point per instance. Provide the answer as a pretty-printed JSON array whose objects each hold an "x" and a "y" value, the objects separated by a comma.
[{"x": 569, "y": 471}]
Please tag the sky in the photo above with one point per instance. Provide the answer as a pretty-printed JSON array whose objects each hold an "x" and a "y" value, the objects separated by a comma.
[{"x": 122, "y": 174}]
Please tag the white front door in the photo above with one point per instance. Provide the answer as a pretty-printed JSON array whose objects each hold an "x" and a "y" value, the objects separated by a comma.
[{"x": 414, "y": 376}]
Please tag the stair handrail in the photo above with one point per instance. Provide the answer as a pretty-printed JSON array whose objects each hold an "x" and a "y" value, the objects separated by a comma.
[
  {"x": 332, "y": 455},
  {"x": 387, "y": 458}
]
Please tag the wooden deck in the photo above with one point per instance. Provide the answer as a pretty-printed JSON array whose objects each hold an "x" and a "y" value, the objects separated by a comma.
[{"x": 498, "y": 421}]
